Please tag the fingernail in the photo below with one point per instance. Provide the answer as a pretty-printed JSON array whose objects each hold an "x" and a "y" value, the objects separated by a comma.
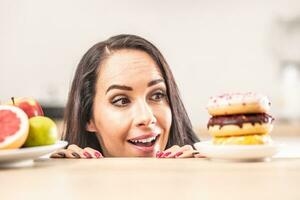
[
  {"x": 158, "y": 154},
  {"x": 195, "y": 152},
  {"x": 97, "y": 154},
  {"x": 165, "y": 154},
  {"x": 87, "y": 154},
  {"x": 76, "y": 155},
  {"x": 199, "y": 156},
  {"x": 58, "y": 155},
  {"x": 62, "y": 154},
  {"x": 178, "y": 154}
]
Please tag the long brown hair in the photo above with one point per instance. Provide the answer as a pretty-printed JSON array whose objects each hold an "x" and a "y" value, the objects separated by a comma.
[{"x": 78, "y": 111}]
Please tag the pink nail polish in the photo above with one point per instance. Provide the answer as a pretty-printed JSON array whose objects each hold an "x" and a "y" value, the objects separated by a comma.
[
  {"x": 98, "y": 154},
  {"x": 165, "y": 155},
  {"x": 87, "y": 154},
  {"x": 158, "y": 154},
  {"x": 178, "y": 154}
]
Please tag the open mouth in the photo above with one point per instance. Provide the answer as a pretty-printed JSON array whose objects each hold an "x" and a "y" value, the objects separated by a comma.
[{"x": 148, "y": 142}]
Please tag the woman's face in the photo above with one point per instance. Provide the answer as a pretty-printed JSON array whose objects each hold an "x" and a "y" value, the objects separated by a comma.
[{"x": 131, "y": 113}]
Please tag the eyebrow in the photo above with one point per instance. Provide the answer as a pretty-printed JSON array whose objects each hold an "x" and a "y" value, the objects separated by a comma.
[
  {"x": 154, "y": 82},
  {"x": 124, "y": 87}
]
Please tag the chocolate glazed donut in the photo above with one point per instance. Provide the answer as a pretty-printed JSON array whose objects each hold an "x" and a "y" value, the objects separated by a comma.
[{"x": 240, "y": 119}]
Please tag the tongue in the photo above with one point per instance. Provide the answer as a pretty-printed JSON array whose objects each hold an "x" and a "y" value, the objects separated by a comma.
[{"x": 141, "y": 144}]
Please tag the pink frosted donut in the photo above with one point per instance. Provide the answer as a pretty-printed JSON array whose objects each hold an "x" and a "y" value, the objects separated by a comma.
[{"x": 238, "y": 103}]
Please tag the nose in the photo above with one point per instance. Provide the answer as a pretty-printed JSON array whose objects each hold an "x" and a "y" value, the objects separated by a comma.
[{"x": 143, "y": 115}]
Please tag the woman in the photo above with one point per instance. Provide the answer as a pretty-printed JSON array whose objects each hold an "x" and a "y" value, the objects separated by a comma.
[{"x": 124, "y": 102}]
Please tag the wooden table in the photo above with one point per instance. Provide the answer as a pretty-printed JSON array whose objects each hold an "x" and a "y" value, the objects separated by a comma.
[{"x": 151, "y": 178}]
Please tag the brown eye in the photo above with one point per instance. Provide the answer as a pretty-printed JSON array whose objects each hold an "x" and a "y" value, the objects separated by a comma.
[
  {"x": 120, "y": 101},
  {"x": 158, "y": 96}
]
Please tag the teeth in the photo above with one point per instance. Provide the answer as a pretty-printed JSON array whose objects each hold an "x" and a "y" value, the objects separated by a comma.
[{"x": 144, "y": 140}]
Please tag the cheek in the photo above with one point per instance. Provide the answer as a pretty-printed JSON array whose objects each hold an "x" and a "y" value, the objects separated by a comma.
[
  {"x": 112, "y": 126},
  {"x": 168, "y": 118},
  {"x": 164, "y": 118}
]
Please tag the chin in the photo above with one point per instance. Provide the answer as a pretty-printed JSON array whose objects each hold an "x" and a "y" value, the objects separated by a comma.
[{"x": 135, "y": 153}]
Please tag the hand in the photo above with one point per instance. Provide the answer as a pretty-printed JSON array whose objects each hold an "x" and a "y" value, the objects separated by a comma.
[
  {"x": 73, "y": 151},
  {"x": 176, "y": 151}
]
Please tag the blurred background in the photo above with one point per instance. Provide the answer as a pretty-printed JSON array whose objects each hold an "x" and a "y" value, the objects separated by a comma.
[{"x": 212, "y": 47}]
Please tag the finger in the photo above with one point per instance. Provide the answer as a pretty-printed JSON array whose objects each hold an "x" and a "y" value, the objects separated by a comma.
[
  {"x": 186, "y": 148},
  {"x": 169, "y": 151},
  {"x": 188, "y": 154},
  {"x": 71, "y": 154},
  {"x": 92, "y": 153},
  {"x": 58, "y": 154},
  {"x": 199, "y": 155},
  {"x": 77, "y": 149},
  {"x": 180, "y": 151},
  {"x": 159, "y": 154}
]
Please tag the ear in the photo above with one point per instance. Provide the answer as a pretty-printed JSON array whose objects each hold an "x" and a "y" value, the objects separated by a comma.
[{"x": 91, "y": 126}]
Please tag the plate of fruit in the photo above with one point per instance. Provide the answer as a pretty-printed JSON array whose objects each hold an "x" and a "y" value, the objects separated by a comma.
[{"x": 25, "y": 133}]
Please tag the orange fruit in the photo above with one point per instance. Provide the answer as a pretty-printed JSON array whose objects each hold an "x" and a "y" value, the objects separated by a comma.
[{"x": 14, "y": 127}]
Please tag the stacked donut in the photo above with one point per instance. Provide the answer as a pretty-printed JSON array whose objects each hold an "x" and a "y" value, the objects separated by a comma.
[{"x": 240, "y": 118}]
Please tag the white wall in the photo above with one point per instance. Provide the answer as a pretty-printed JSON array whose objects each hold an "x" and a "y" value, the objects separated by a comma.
[{"x": 212, "y": 46}]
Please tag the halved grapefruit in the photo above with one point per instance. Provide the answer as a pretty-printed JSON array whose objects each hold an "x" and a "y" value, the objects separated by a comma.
[{"x": 14, "y": 127}]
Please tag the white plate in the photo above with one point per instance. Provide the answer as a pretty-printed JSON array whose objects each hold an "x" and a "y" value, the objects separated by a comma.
[
  {"x": 25, "y": 156},
  {"x": 237, "y": 152}
]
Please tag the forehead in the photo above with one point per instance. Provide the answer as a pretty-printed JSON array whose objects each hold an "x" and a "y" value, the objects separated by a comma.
[{"x": 128, "y": 67}]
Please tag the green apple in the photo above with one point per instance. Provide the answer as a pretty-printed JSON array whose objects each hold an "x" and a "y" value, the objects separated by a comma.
[{"x": 42, "y": 131}]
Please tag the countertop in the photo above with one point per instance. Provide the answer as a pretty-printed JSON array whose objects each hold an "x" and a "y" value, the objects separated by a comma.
[{"x": 152, "y": 178}]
